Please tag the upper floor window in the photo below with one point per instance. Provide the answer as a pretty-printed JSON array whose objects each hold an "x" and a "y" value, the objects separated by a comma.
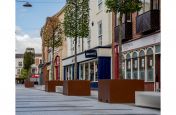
[
  {"x": 100, "y": 3},
  {"x": 20, "y": 64},
  {"x": 149, "y": 5},
  {"x": 100, "y": 32}
]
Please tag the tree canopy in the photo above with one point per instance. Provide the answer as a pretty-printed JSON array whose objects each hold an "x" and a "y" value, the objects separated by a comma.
[
  {"x": 123, "y": 6},
  {"x": 28, "y": 60},
  {"x": 76, "y": 19},
  {"x": 53, "y": 32}
]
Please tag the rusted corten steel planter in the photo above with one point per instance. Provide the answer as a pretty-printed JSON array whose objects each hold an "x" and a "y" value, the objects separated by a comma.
[
  {"x": 76, "y": 87},
  {"x": 119, "y": 91},
  {"x": 28, "y": 84},
  {"x": 50, "y": 86}
]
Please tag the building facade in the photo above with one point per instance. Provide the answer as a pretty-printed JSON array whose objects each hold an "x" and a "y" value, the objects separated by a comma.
[
  {"x": 141, "y": 44},
  {"x": 94, "y": 52},
  {"x": 18, "y": 64}
]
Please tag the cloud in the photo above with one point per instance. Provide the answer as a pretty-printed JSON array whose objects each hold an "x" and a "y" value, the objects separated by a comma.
[{"x": 24, "y": 40}]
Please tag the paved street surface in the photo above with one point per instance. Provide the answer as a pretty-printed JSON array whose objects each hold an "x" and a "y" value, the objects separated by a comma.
[{"x": 32, "y": 101}]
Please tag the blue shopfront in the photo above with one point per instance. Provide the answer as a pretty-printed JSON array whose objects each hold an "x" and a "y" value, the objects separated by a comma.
[{"x": 93, "y": 64}]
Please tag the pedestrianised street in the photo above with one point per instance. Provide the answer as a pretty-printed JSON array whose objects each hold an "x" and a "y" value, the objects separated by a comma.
[{"x": 33, "y": 101}]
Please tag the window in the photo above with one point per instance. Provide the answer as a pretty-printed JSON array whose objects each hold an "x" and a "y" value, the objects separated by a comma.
[
  {"x": 135, "y": 65},
  {"x": 100, "y": 32},
  {"x": 19, "y": 64},
  {"x": 149, "y": 5},
  {"x": 150, "y": 64},
  {"x": 128, "y": 66},
  {"x": 141, "y": 65},
  {"x": 100, "y": 3},
  {"x": 18, "y": 71}
]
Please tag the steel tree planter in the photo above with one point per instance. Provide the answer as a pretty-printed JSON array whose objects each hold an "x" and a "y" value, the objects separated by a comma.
[
  {"x": 28, "y": 84},
  {"x": 76, "y": 87},
  {"x": 50, "y": 86},
  {"x": 119, "y": 91}
]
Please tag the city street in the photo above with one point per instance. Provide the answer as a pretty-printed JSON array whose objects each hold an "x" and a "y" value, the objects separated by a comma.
[{"x": 32, "y": 101}]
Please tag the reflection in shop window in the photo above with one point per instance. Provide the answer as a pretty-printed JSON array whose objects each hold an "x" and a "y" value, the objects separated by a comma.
[
  {"x": 86, "y": 71},
  {"x": 91, "y": 71},
  {"x": 96, "y": 70}
]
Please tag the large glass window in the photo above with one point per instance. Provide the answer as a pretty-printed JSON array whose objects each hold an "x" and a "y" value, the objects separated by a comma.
[
  {"x": 150, "y": 65},
  {"x": 91, "y": 71},
  {"x": 96, "y": 70},
  {"x": 123, "y": 66},
  {"x": 81, "y": 72},
  {"x": 135, "y": 65},
  {"x": 86, "y": 71},
  {"x": 128, "y": 66},
  {"x": 141, "y": 65}
]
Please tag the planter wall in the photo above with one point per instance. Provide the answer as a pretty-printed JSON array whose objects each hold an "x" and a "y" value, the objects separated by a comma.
[
  {"x": 76, "y": 87},
  {"x": 119, "y": 91},
  {"x": 50, "y": 86},
  {"x": 28, "y": 84}
]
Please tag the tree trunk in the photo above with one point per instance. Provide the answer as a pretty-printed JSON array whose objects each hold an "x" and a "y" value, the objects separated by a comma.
[
  {"x": 52, "y": 61},
  {"x": 120, "y": 46},
  {"x": 113, "y": 46},
  {"x": 76, "y": 31},
  {"x": 75, "y": 66}
]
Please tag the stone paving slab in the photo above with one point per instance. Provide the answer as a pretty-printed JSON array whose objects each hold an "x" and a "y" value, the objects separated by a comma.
[{"x": 32, "y": 101}]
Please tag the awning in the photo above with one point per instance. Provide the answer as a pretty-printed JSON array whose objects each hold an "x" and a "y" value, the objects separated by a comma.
[{"x": 35, "y": 76}]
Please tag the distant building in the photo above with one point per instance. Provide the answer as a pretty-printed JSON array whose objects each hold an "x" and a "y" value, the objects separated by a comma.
[{"x": 18, "y": 64}]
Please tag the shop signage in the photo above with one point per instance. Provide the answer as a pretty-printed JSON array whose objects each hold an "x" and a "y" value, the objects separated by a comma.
[{"x": 90, "y": 53}]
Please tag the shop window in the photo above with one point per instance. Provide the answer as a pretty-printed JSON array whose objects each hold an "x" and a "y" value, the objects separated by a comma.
[
  {"x": 96, "y": 70},
  {"x": 141, "y": 65},
  {"x": 86, "y": 71},
  {"x": 91, "y": 71},
  {"x": 81, "y": 72},
  {"x": 150, "y": 76},
  {"x": 157, "y": 49},
  {"x": 123, "y": 66},
  {"x": 135, "y": 65},
  {"x": 128, "y": 66}
]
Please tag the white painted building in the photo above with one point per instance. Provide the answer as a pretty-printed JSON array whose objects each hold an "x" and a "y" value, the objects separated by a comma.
[
  {"x": 18, "y": 64},
  {"x": 99, "y": 41}
]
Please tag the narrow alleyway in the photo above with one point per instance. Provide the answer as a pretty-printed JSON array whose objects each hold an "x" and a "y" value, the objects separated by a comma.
[{"x": 31, "y": 101}]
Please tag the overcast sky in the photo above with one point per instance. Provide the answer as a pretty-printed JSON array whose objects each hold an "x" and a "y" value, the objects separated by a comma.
[{"x": 29, "y": 21}]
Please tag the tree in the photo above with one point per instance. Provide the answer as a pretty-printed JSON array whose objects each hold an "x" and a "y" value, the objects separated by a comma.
[
  {"x": 76, "y": 23},
  {"x": 122, "y": 7},
  {"x": 24, "y": 73},
  {"x": 53, "y": 36},
  {"x": 28, "y": 61}
]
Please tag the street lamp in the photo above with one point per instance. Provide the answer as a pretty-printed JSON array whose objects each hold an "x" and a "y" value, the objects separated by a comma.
[{"x": 27, "y": 4}]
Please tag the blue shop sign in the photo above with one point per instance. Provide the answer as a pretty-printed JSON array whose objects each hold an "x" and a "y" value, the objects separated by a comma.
[{"x": 90, "y": 53}]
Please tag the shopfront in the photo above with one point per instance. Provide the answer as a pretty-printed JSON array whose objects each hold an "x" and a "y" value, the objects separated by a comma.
[
  {"x": 90, "y": 66},
  {"x": 142, "y": 61}
]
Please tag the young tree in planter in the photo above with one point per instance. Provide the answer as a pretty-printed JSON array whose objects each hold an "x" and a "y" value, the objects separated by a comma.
[
  {"x": 76, "y": 23},
  {"x": 53, "y": 36},
  {"x": 23, "y": 73},
  {"x": 122, "y": 7},
  {"x": 28, "y": 61}
]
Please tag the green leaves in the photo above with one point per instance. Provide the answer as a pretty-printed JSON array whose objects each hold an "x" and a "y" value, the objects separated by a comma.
[
  {"x": 123, "y": 6},
  {"x": 28, "y": 60},
  {"x": 76, "y": 19}
]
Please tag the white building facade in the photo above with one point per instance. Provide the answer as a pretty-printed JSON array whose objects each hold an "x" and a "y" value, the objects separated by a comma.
[
  {"x": 98, "y": 43},
  {"x": 18, "y": 64}
]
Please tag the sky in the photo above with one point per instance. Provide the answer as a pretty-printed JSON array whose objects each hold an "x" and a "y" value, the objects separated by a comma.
[{"x": 29, "y": 21}]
